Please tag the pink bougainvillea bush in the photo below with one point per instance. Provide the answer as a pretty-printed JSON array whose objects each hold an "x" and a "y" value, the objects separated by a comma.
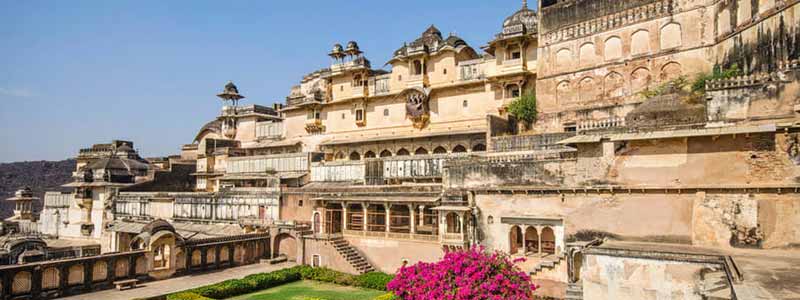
[{"x": 464, "y": 275}]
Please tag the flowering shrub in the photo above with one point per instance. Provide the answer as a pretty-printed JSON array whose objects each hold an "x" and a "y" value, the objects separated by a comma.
[{"x": 470, "y": 274}]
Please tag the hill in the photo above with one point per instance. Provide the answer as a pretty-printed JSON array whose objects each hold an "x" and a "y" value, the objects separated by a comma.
[{"x": 40, "y": 176}]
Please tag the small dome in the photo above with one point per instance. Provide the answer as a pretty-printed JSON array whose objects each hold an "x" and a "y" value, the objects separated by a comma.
[
  {"x": 25, "y": 192},
  {"x": 337, "y": 48},
  {"x": 125, "y": 149},
  {"x": 524, "y": 16},
  {"x": 231, "y": 88},
  {"x": 352, "y": 45},
  {"x": 431, "y": 31}
]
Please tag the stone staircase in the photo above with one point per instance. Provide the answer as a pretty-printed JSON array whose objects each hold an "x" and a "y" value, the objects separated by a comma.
[
  {"x": 715, "y": 285},
  {"x": 574, "y": 291},
  {"x": 548, "y": 263},
  {"x": 353, "y": 257}
]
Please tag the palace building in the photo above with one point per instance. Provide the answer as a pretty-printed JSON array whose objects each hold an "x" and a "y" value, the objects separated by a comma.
[{"x": 636, "y": 181}]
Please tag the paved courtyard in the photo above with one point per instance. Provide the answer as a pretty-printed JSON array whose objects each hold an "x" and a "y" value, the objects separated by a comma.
[{"x": 155, "y": 288}]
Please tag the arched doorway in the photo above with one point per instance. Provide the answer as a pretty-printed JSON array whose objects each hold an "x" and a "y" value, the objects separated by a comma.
[
  {"x": 402, "y": 152},
  {"x": 421, "y": 151},
  {"x": 285, "y": 244},
  {"x": 339, "y": 156},
  {"x": 459, "y": 149},
  {"x": 548, "y": 241},
  {"x": 531, "y": 240},
  {"x": 369, "y": 154},
  {"x": 386, "y": 153},
  {"x": 515, "y": 239},
  {"x": 439, "y": 150},
  {"x": 479, "y": 148}
]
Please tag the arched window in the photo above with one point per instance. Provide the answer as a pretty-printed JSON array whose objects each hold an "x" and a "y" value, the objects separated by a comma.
[
  {"x": 417, "y": 67},
  {"x": 369, "y": 154},
  {"x": 355, "y": 156},
  {"x": 512, "y": 91},
  {"x": 421, "y": 151},
  {"x": 386, "y": 153},
  {"x": 640, "y": 42},
  {"x": 613, "y": 48},
  {"x": 402, "y": 152},
  {"x": 671, "y": 36},
  {"x": 459, "y": 149},
  {"x": 339, "y": 155},
  {"x": 640, "y": 79},
  {"x": 479, "y": 148},
  {"x": 439, "y": 150},
  {"x": 453, "y": 223},
  {"x": 586, "y": 55}
]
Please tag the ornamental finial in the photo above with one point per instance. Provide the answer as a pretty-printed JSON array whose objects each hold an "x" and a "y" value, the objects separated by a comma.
[{"x": 524, "y": 4}]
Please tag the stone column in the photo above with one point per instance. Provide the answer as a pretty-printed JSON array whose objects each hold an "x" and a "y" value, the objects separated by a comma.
[
  {"x": 388, "y": 208},
  {"x": 364, "y": 217},
  {"x": 413, "y": 213},
  {"x": 539, "y": 234},
  {"x": 344, "y": 216}
]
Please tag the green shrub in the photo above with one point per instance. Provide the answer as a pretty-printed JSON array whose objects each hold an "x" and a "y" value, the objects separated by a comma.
[
  {"x": 373, "y": 280},
  {"x": 186, "y": 296},
  {"x": 256, "y": 282},
  {"x": 524, "y": 107},
  {"x": 699, "y": 84}
]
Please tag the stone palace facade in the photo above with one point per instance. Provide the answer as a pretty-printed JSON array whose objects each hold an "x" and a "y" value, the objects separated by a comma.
[{"x": 627, "y": 186}]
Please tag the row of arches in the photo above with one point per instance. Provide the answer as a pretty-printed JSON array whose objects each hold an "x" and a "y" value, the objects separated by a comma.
[
  {"x": 533, "y": 241},
  {"x": 670, "y": 36},
  {"x": 22, "y": 282},
  {"x": 613, "y": 84},
  {"x": 355, "y": 155}
]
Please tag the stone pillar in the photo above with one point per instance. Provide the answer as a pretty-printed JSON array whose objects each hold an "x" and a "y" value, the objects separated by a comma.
[
  {"x": 539, "y": 234},
  {"x": 413, "y": 213},
  {"x": 344, "y": 216},
  {"x": 216, "y": 256},
  {"x": 203, "y": 256},
  {"x": 364, "y": 217},
  {"x": 132, "y": 266},
  {"x": 88, "y": 271},
  {"x": 525, "y": 239},
  {"x": 388, "y": 208},
  {"x": 36, "y": 282}
]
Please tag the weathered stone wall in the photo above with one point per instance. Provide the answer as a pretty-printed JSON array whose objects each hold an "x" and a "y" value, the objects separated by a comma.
[
  {"x": 328, "y": 257},
  {"x": 481, "y": 172},
  {"x": 388, "y": 255},
  {"x": 621, "y": 278}
]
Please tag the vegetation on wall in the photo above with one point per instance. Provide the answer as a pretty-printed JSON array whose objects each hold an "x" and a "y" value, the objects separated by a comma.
[
  {"x": 262, "y": 281},
  {"x": 693, "y": 89},
  {"x": 524, "y": 107}
]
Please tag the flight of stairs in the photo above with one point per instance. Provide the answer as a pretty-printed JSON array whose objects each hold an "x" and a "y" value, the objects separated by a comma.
[
  {"x": 353, "y": 257},
  {"x": 574, "y": 291},
  {"x": 548, "y": 264},
  {"x": 715, "y": 285}
]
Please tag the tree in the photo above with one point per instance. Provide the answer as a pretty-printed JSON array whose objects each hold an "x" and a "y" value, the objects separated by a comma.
[
  {"x": 524, "y": 108},
  {"x": 462, "y": 275}
]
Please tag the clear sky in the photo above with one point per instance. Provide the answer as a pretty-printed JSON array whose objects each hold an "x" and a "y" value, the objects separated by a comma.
[{"x": 75, "y": 73}]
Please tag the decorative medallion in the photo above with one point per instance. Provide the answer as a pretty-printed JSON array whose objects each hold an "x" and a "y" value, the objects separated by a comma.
[{"x": 417, "y": 109}]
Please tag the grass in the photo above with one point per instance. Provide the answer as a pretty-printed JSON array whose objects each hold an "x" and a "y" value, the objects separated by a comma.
[{"x": 311, "y": 290}]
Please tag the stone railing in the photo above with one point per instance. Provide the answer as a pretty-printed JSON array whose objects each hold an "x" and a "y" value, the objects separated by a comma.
[
  {"x": 292, "y": 162},
  {"x": 379, "y": 85},
  {"x": 546, "y": 141},
  {"x": 471, "y": 70},
  {"x": 268, "y": 130},
  {"x": 338, "y": 171},
  {"x": 453, "y": 238},
  {"x": 393, "y": 235},
  {"x": 57, "y": 199},
  {"x": 613, "y": 122},
  {"x": 623, "y": 18},
  {"x": 316, "y": 98}
]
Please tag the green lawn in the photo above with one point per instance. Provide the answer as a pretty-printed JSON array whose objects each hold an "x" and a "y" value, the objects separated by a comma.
[{"x": 307, "y": 290}]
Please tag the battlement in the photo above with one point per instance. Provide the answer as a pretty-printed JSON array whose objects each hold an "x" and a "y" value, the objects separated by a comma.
[{"x": 599, "y": 14}]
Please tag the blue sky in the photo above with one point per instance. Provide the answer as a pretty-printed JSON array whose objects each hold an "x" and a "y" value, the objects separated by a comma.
[{"x": 74, "y": 73}]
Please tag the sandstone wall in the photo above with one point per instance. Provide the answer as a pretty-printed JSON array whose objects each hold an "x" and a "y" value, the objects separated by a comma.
[{"x": 388, "y": 255}]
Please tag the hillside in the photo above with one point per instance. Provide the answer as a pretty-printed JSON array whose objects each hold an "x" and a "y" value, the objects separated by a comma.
[{"x": 40, "y": 176}]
